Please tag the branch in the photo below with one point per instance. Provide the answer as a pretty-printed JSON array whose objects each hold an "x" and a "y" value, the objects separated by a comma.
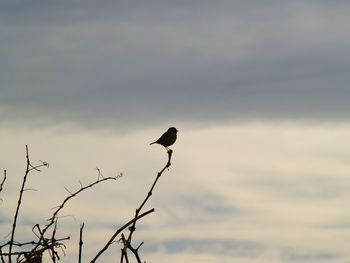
[
  {"x": 118, "y": 232},
  {"x": 53, "y": 252},
  {"x": 77, "y": 192},
  {"x": 132, "y": 228},
  {"x": 133, "y": 221},
  {"x": 60, "y": 207},
  {"x": 44, "y": 243}
]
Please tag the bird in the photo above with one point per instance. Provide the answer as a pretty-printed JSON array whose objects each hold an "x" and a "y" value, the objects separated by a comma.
[{"x": 168, "y": 138}]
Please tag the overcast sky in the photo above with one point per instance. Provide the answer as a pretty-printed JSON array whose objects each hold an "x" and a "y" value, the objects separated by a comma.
[
  {"x": 117, "y": 62},
  {"x": 258, "y": 89}
]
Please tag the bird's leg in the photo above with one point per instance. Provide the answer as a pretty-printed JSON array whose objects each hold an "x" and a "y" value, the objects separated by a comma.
[{"x": 170, "y": 152}]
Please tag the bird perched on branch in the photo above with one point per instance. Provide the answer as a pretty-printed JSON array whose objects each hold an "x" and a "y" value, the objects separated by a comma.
[{"x": 168, "y": 138}]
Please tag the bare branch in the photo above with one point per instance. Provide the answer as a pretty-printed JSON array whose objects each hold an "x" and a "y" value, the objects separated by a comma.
[
  {"x": 139, "y": 246},
  {"x": 60, "y": 207},
  {"x": 78, "y": 191},
  {"x": 132, "y": 228},
  {"x": 135, "y": 252},
  {"x": 127, "y": 243},
  {"x": 53, "y": 252},
  {"x": 81, "y": 242},
  {"x": 118, "y": 232},
  {"x": 45, "y": 244},
  {"x": 49, "y": 244},
  {"x": 133, "y": 221}
]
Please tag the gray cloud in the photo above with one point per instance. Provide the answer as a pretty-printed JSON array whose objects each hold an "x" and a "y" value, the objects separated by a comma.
[
  {"x": 126, "y": 62},
  {"x": 229, "y": 247},
  {"x": 311, "y": 186},
  {"x": 203, "y": 208}
]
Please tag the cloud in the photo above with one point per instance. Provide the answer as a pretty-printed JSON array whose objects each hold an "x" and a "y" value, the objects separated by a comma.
[
  {"x": 234, "y": 248},
  {"x": 122, "y": 63},
  {"x": 294, "y": 256}
]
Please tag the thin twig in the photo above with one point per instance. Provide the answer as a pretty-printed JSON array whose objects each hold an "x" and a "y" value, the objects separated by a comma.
[
  {"x": 139, "y": 246},
  {"x": 3, "y": 181}
]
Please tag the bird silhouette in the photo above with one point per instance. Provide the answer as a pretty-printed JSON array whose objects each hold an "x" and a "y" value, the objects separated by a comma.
[{"x": 168, "y": 138}]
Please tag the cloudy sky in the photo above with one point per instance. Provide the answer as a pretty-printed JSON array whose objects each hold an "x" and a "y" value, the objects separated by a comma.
[{"x": 259, "y": 92}]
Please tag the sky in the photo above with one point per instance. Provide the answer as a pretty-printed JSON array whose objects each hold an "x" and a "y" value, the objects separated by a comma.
[{"x": 258, "y": 91}]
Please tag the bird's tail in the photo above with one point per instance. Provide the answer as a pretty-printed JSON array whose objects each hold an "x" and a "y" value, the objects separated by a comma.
[{"x": 152, "y": 143}]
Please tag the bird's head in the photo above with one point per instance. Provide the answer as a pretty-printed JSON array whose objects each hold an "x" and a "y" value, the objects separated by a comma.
[{"x": 172, "y": 129}]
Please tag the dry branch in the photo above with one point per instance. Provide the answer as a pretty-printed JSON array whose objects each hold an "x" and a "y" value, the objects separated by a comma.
[
  {"x": 110, "y": 241},
  {"x": 44, "y": 243},
  {"x": 132, "y": 228},
  {"x": 60, "y": 207},
  {"x": 50, "y": 244},
  {"x": 28, "y": 169}
]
